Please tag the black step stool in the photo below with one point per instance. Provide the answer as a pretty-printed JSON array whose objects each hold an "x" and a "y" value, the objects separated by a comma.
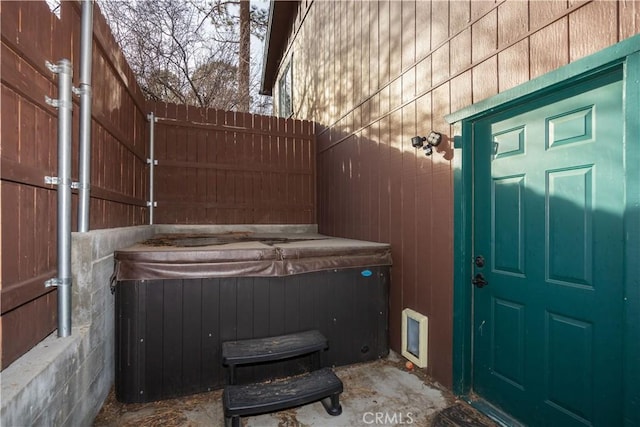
[{"x": 260, "y": 398}]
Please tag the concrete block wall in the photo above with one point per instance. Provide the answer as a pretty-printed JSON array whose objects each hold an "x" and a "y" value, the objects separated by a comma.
[{"x": 64, "y": 381}]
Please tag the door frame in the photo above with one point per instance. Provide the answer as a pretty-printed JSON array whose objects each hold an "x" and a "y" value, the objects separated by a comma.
[{"x": 626, "y": 54}]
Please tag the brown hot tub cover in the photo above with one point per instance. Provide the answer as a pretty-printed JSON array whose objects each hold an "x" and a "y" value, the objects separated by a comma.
[{"x": 244, "y": 255}]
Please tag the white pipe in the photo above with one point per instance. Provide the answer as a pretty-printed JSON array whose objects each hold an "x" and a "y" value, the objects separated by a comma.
[
  {"x": 152, "y": 162},
  {"x": 84, "y": 186}
]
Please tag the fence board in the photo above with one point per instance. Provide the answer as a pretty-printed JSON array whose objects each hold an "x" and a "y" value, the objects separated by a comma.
[
  {"x": 214, "y": 166},
  {"x": 24, "y": 328},
  {"x": 10, "y": 123},
  {"x": 29, "y": 152},
  {"x": 235, "y": 168},
  {"x": 17, "y": 75}
]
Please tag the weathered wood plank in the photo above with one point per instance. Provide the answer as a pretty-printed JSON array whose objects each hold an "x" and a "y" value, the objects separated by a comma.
[
  {"x": 484, "y": 37},
  {"x": 485, "y": 79},
  {"x": 513, "y": 65},
  {"x": 543, "y": 59},
  {"x": 513, "y": 21},
  {"x": 592, "y": 28}
]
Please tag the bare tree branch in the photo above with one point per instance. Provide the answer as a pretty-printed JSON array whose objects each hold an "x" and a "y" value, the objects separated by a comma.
[{"x": 188, "y": 51}]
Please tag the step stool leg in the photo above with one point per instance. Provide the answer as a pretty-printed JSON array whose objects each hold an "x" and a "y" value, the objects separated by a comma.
[
  {"x": 316, "y": 363},
  {"x": 332, "y": 404},
  {"x": 232, "y": 374},
  {"x": 232, "y": 421}
]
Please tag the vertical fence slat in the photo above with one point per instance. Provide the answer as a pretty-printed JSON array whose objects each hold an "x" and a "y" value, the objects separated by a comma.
[{"x": 10, "y": 122}]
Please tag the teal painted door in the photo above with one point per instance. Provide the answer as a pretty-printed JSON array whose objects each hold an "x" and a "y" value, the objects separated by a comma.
[{"x": 548, "y": 224}]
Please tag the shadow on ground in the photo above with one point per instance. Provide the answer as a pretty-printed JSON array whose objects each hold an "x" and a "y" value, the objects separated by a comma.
[{"x": 380, "y": 393}]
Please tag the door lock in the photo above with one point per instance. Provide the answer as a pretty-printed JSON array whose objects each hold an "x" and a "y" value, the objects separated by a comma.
[
  {"x": 479, "y": 261},
  {"x": 479, "y": 281}
]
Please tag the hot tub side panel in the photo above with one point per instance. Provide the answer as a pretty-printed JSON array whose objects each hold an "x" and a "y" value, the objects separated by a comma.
[{"x": 169, "y": 332}]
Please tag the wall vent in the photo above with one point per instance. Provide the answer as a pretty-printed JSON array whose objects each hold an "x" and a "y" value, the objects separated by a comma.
[{"x": 415, "y": 336}]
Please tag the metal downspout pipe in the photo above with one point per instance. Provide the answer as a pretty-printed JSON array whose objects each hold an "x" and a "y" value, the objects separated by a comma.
[
  {"x": 152, "y": 162},
  {"x": 64, "y": 104},
  {"x": 64, "y": 183},
  {"x": 84, "y": 186}
]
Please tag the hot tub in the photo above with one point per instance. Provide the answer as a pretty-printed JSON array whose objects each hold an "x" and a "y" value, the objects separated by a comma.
[{"x": 179, "y": 296}]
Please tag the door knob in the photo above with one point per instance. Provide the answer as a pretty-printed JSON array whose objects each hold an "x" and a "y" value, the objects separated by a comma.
[{"x": 479, "y": 281}]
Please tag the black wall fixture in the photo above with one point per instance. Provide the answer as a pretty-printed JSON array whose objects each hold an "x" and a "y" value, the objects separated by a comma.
[{"x": 432, "y": 140}]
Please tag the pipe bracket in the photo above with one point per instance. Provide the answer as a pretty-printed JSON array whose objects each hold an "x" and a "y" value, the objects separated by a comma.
[
  {"x": 53, "y": 67},
  {"x": 56, "y": 180},
  {"x": 51, "y": 180},
  {"x": 155, "y": 204},
  {"x": 155, "y": 162},
  {"x": 81, "y": 185},
  {"x": 57, "y": 281},
  {"x": 53, "y": 102},
  {"x": 56, "y": 103}
]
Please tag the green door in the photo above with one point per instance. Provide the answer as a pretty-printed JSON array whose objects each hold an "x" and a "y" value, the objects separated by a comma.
[{"x": 549, "y": 243}]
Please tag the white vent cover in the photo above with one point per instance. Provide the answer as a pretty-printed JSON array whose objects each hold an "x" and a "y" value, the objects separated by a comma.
[{"x": 415, "y": 336}]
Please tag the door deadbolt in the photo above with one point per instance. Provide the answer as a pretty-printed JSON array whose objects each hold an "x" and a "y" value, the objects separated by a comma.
[{"x": 479, "y": 281}]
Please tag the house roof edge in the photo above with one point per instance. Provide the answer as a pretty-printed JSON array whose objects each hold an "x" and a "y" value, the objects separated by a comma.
[{"x": 278, "y": 27}]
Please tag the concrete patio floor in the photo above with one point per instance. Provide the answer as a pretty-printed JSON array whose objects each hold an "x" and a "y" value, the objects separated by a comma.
[{"x": 380, "y": 393}]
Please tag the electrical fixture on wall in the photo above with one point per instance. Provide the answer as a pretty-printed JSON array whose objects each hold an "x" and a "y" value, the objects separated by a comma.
[{"x": 432, "y": 140}]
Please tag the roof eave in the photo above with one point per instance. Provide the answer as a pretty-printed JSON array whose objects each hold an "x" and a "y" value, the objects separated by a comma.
[{"x": 279, "y": 24}]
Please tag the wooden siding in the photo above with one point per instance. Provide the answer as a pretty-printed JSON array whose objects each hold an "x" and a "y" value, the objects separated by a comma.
[
  {"x": 217, "y": 167},
  {"x": 31, "y": 35},
  {"x": 373, "y": 74}
]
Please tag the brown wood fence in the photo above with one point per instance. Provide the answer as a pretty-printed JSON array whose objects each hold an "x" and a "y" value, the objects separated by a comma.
[
  {"x": 217, "y": 167},
  {"x": 214, "y": 167},
  {"x": 31, "y": 35}
]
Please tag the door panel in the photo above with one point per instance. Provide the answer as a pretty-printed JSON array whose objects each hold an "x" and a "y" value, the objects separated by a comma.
[
  {"x": 508, "y": 250},
  {"x": 570, "y": 227},
  {"x": 548, "y": 207}
]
